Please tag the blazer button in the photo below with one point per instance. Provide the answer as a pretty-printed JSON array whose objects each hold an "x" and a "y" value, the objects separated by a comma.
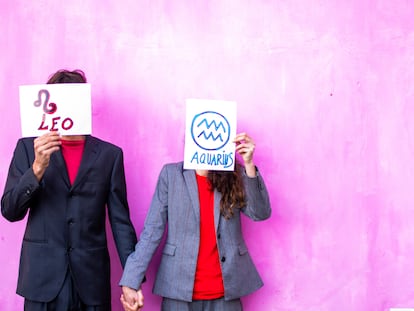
[
  {"x": 218, "y": 236},
  {"x": 223, "y": 259}
]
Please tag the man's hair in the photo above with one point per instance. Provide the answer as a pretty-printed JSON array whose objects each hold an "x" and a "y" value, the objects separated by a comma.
[{"x": 67, "y": 76}]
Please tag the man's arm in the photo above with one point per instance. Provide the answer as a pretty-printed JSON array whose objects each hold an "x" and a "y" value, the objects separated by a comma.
[
  {"x": 26, "y": 170},
  {"x": 118, "y": 210}
]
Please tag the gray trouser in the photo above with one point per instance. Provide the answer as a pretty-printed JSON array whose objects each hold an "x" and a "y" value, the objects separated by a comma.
[{"x": 201, "y": 305}]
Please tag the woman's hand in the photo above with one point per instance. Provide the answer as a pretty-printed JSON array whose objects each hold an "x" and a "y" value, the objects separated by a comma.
[
  {"x": 131, "y": 299},
  {"x": 245, "y": 147}
]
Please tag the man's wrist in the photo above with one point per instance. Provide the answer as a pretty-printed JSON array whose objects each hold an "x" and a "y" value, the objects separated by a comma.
[{"x": 38, "y": 171}]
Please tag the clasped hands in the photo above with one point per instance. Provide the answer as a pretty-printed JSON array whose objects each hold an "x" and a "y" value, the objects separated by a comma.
[{"x": 132, "y": 299}]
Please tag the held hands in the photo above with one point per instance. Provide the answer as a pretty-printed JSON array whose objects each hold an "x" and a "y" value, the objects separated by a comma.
[
  {"x": 245, "y": 148},
  {"x": 131, "y": 299},
  {"x": 44, "y": 146}
]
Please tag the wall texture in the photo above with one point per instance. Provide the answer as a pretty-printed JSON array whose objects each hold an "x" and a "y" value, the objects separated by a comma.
[{"x": 325, "y": 88}]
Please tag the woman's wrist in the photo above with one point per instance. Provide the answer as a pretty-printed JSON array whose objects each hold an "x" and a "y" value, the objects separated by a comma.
[{"x": 250, "y": 169}]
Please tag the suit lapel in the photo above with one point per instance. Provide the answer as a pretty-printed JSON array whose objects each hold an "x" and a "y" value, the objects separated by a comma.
[
  {"x": 89, "y": 156},
  {"x": 217, "y": 198},
  {"x": 57, "y": 160},
  {"x": 191, "y": 183}
]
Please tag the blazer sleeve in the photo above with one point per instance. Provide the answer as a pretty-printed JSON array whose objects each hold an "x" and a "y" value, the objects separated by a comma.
[
  {"x": 258, "y": 204},
  {"x": 118, "y": 211},
  {"x": 151, "y": 235},
  {"x": 21, "y": 184}
]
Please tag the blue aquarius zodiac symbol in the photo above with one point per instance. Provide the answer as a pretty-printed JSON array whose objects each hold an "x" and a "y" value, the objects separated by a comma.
[{"x": 210, "y": 130}]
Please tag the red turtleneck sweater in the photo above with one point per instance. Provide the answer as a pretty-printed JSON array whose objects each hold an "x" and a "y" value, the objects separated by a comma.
[{"x": 72, "y": 151}]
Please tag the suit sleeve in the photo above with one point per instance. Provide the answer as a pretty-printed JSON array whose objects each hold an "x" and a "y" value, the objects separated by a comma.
[
  {"x": 118, "y": 211},
  {"x": 150, "y": 237},
  {"x": 21, "y": 185},
  {"x": 258, "y": 204}
]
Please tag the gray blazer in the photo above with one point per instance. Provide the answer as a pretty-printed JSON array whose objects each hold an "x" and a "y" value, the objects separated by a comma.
[{"x": 176, "y": 201}]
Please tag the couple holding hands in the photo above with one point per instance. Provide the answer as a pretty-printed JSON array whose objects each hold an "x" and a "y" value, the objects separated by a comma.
[{"x": 68, "y": 184}]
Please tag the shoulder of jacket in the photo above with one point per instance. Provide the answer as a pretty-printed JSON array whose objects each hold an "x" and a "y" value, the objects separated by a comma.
[
  {"x": 172, "y": 169},
  {"x": 174, "y": 166},
  {"x": 27, "y": 141},
  {"x": 104, "y": 143}
]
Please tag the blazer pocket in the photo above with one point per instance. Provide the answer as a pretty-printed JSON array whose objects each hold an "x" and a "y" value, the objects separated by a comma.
[
  {"x": 37, "y": 241},
  {"x": 242, "y": 250},
  {"x": 169, "y": 249}
]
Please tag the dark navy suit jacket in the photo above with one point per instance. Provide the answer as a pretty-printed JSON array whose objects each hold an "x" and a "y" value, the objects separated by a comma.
[{"x": 65, "y": 228}]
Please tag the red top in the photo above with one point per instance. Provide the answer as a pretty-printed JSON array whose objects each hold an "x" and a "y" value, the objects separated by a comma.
[
  {"x": 72, "y": 151},
  {"x": 208, "y": 283}
]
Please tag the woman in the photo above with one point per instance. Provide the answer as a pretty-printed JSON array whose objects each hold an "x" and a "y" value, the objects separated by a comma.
[{"x": 205, "y": 264}]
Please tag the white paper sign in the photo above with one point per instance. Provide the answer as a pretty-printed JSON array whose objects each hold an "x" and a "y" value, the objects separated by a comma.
[
  {"x": 210, "y": 129},
  {"x": 62, "y": 107}
]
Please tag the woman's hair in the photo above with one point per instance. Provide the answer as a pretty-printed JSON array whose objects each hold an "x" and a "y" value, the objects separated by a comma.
[
  {"x": 67, "y": 76},
  {"x": 231, "y": 187}
]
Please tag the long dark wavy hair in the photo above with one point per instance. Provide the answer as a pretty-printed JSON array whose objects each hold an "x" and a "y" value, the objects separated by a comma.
[{"x": 230, "y": 185}]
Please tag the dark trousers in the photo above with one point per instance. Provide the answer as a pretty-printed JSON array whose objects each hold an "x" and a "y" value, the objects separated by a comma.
[
  {"x": 67, "y": 300},
  {"x": 201, "y": 305}
]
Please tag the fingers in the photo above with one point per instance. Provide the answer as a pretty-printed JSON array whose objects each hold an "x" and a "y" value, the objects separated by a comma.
[
  {"x": 134, "y": 304},
  {"x": 245, "y": 146},
  {"x": 140, "y": 299},
  {"x": 46, "y": 144},
  {"x": 240, "y": 136},
  {"x": 128, "y": 306},
  {"x": 132, "y": 299},
  {"x": 244, "y": 140}
]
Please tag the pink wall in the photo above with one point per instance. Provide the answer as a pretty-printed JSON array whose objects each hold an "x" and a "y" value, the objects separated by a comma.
[{"x": 325, "y": 87}]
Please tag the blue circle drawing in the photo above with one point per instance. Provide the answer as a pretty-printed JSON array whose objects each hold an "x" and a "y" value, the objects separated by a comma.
[{"x": 210, "y": 130}]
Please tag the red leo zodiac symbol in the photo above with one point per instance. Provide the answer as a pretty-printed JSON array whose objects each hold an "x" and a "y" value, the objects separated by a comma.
[
  {"x": 50, "y": 108},
  {"x": 47, "y": 108}
]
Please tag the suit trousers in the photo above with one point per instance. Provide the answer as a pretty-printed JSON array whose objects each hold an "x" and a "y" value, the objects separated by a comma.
[
  {"x": 67, "y": 300},
  {"x": 201, "y": 305}
]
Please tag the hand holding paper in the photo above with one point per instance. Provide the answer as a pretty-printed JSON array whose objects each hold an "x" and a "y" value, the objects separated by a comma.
[
  {"x": 44, "y": 146},
  {"x": 245, "y": 147}
]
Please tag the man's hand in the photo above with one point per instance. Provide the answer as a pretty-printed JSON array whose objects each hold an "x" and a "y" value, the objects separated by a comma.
[
  {"x": 131, "y": 299},
  {"x": 44, "y": 146}
]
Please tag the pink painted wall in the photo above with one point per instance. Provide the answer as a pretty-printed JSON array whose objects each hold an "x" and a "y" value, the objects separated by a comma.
[{"x": 325, "y": 87}]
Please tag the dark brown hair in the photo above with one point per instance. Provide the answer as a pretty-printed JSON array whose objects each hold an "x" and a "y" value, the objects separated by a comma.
[
  {"x": 231, "y": 187},
  {"x": 67, "y": 76}
]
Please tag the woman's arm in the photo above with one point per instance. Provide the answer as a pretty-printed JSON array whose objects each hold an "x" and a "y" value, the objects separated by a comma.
[{"x": 258, "y": 205}]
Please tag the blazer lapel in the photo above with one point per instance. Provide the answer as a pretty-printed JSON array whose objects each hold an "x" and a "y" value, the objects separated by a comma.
[
  {"x": 57, "y": 160},
  {"x": 217, "y": 199},
  {"x": 191, "y": 183},
  {"x": 89, "y": 156}
]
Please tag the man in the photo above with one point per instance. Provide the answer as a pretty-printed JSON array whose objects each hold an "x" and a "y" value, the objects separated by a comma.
[{"x": 67, "y": 184}]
